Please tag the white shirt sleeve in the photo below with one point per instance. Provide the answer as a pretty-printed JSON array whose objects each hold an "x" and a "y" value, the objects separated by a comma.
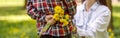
[
  {"x": 100, "y": 24},
  {"x": 76, "y": 19}
]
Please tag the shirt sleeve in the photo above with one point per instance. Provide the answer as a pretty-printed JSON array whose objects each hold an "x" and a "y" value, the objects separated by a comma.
[
  {"x": 33, "y": 12},
  {"x": 100, "y": 24},
  {"x": 77, "y": 17}
]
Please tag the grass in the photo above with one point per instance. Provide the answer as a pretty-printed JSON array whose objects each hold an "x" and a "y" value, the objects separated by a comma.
[
  {"x": 116, "y": 20},
  {"x": 18, "y": 10},
  {"x": 17, "y": 29},
  {"x": 15, "y": 23}
]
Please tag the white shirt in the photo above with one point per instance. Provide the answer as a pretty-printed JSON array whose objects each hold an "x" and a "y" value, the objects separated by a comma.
[{"x": 92, "y": 24}]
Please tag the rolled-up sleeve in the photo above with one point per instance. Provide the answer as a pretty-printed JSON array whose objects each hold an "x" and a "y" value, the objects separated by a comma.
[{"x": 33, "y": 12}]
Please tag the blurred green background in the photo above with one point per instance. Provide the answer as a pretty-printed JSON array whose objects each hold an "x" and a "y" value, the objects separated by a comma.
[{"x": 15, "y": 23}]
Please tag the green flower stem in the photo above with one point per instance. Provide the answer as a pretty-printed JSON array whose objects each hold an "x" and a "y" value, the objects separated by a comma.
[{"x": 44, "y": 29}]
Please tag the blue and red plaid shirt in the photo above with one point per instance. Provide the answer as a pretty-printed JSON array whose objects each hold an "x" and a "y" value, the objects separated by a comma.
[{"x": 38, "y": 9}]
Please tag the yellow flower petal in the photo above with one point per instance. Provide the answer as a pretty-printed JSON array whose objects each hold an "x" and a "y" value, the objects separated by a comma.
[
  {"x": 57, "y": 9},
  {"x": 62, "y": 12},
  {"x": 109, "y": 30},
  {"x": 65, "y": 23},
  {"x": 74, "y": 29},
  {"x": 66, "y": 16},
  {"x": 61, "y": 16},
  {"x": 112, "y": 34},
  {"x": 56, "y": 17},
  {"x": 61, "y": 20}
]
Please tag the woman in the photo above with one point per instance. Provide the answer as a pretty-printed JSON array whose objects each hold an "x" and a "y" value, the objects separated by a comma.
[{"x": 92, "y": 19}]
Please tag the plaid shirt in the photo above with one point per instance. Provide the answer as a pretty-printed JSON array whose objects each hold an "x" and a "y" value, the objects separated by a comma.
[{"x": 38, "y": 9}]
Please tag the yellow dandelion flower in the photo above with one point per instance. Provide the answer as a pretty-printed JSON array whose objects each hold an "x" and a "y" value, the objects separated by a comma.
[
  {"x": 65, "y": 23},
  {"x": 109, "y": 30},
  {"x": 62, "y": 12},
  {"x": 112, "y": 34},
  {"x": 110, "y": 37},
  {"x": 56, "y": 17},
  {"x": 61, "y": 16},
  {"x": 15, "y": 30},
  {"x": 57, "y": 9},
  {"x": 74, "y": 29},
  {"x": 66, "y": 16},
  {"x": 62, "y": 20}
]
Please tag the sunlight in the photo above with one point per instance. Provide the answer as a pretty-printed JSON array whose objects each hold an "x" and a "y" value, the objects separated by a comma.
[
  {"x": 116, "y": 15},
  {"x": 116, "y": 4},
  {"x": 15, "y": 18},
  {"x": 6, "y": 3}
]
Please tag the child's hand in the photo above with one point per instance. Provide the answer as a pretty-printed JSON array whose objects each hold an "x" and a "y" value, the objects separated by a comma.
[{"x": 49, "y": 19}]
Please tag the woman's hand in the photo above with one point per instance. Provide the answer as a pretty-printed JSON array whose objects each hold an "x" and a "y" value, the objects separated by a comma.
[{"x": 49, "y": 19}]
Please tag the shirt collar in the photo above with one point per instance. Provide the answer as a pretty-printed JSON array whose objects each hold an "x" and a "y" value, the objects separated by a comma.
[{"x": 93, "y": 7}]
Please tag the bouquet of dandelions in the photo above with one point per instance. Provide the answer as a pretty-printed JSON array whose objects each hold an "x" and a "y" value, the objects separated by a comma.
[{"x": 58, "y": 16}]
